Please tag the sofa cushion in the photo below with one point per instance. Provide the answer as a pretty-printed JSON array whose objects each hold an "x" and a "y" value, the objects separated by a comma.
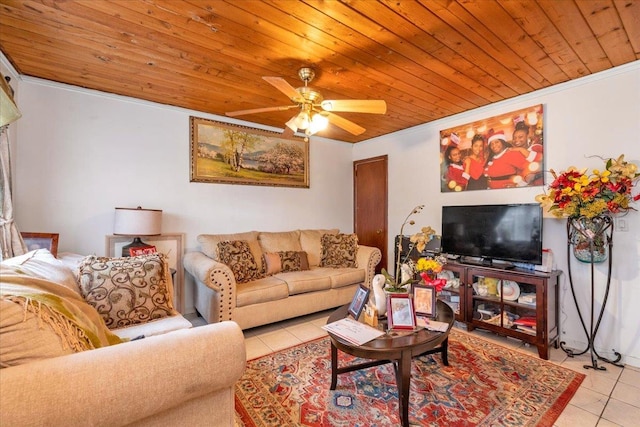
[
  {"x": 339, "y": 250},
  {"x": 155, "y": 327},
  {"x": 238, "y": 257},
  {"x": 341, "y": 277},
  {"x": 272, "y": 263},
  {"x": 41, "y": 263},
  {"x": 24, "y": 338},
  {"x": 284, "y": 261},
  {"x": 310, "y": 241},
  {"x": 294, "y": 260},
  {"x": 262, "y": 290},
  {"x": 129, "y": 290},
  {"x": 280, "y": 241},
  {"x": 300, "y": 282},
  {"x": 209, "y": 244},
  {"x": 41, "y": 319}
]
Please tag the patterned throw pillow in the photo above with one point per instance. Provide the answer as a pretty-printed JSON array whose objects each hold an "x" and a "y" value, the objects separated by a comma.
[
  {"x": 339, "y": 250},
  {"x": 127, "y": 291},
  {"x": 294, "y": 260},
  {"x": 238, "y": 257},
  {"x": 283, "y": 261}
]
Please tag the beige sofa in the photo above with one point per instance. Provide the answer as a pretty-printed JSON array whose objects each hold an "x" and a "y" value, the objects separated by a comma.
[
  {"x": 280, "y": 295},
  {"x": 175, "y": 376}
]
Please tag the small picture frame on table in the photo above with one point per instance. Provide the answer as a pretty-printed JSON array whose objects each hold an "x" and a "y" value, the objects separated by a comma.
[
  {"x": 35, "y": 241},
  {"x": 359, "y": 300},
  {"x": 143, "y": 250},
  {"x": 424, "y": 300},
  {"x": 400, "y": 312}
]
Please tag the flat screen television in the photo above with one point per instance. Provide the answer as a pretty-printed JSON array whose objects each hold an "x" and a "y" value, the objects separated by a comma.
[{"x": 483, "y": 233}]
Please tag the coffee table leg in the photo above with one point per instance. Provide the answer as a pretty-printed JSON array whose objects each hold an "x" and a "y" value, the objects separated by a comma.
[
  {"x": 403, "y": 381},
  {"x": 445, "y": 352},
  {"x": 334, "y": 367}
]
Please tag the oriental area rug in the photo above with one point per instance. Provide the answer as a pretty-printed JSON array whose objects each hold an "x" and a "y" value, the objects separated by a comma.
[{"x": 485, "y": 384}]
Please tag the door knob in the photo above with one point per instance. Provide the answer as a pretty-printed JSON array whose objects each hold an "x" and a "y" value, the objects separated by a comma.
[{"x": 379, "y": 231}]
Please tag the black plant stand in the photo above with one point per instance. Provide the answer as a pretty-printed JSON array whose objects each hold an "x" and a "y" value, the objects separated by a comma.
[{"x": 607, "y": 235}]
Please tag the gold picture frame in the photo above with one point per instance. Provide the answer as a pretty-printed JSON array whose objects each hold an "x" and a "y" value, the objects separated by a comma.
[
  {"x": 233, "y": 154},
  {"x": 424, "y": 300},
  {"x": 41, "y": 241}
]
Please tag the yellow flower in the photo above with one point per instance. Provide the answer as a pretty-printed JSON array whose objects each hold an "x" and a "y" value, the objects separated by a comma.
[{"x": 426, "y": 264}]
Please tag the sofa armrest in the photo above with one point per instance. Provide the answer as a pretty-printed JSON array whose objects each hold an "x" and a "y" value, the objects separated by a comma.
[
  {"x": 368, "y": 258},
  {"x": 127, "y": 383},
  {"x": 214, "y": 274},
  {"x": 215, "y": 293}
]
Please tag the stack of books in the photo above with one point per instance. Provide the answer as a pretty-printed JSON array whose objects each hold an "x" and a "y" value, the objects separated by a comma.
[{"x": 526, "y": 325}]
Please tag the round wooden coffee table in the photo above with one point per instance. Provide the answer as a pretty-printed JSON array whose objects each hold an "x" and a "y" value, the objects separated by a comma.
[{"x": 397, "y": 348}]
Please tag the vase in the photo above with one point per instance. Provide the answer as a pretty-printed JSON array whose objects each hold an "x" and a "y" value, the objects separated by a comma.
[
  {"x": 588, "y": 237},
  {"x": 379, "y": 295}
]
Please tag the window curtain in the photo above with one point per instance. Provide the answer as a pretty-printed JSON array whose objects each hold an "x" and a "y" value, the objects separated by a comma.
[{"x": 10, "y": 240}]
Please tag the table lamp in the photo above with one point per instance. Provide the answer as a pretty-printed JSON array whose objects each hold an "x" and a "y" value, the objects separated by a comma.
[{"x": 137, "y": 222}]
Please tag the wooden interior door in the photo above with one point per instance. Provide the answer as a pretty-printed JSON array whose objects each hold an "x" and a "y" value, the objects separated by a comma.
[{"x": 370, "y": 204}]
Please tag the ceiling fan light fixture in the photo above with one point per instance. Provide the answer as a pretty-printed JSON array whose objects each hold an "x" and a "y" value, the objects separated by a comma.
[
  {"x": 315, "y": 112},
  {"x": 318, "y": 123},
  {"x": 291, "y": 124},
  {"x": 302, "y": 120}
]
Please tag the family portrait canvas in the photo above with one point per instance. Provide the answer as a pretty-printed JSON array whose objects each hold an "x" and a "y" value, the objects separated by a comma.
[
  {"x": 505, "y": 151},
  {"x": 233, "y": 154}
]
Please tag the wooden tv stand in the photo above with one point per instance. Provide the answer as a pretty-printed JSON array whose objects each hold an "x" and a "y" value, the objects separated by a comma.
[{"x": 533, "y": 317}]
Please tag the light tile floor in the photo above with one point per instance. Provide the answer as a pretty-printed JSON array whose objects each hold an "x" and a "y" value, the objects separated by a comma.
[{"x": 605, "y": 399}]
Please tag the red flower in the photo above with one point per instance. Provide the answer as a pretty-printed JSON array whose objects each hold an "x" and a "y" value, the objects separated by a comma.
[
  {"x": 589, "y": 192},
  {"x": 613, "y": 207},
  {"x": 438, "y": 284}
]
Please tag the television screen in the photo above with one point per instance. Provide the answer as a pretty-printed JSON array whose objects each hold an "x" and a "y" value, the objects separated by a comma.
[{"x": 505, "y": 232}]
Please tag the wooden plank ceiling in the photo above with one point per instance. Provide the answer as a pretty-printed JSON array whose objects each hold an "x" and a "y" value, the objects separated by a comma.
[{"x": 427, "y": 59}]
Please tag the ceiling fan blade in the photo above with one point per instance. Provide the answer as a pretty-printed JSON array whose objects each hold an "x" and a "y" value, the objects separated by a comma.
[
  {"x": 283, "y": 86},
  {"x": 260, "y": 110},
  {"x": 374, "y": 106},
  {"x": 345, "y": 124},
  {"x": 287, "y": 132}
]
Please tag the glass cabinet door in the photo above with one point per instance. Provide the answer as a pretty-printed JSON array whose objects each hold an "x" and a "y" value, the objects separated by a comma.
[
  {"x": 504, "y": 303},
  {"x": 520, "y": 301},
  {"x": 453, "y": 291}
]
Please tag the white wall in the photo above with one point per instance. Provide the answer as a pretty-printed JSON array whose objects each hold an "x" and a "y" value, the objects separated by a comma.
[
  {"x": 596, "y": 115},
  {"x": 82, "y": 153}
]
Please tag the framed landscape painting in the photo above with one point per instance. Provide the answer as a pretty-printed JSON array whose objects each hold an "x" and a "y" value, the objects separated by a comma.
[{"x": 233, "y": 154}]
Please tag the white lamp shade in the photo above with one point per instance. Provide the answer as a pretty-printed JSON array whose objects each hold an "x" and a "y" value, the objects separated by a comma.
[{"x": 137, "y": 222}]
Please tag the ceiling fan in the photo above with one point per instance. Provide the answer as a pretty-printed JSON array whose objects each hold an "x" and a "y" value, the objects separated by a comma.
[{"x": 315, "y": 111}]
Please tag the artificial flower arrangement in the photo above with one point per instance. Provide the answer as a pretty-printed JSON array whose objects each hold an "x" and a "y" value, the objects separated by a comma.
[
  {"x": 428, "y": 269},
  {"x": 421, "y": 239},
  {"x": 406, "y": 269},
  {"x": 575, "y": 193},
  {"x": 394, "y": 284},
  {"x": 430, "y": 266}
]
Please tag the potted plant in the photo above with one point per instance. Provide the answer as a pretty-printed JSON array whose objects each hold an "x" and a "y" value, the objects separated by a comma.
[{"x": 393, "y": 286}]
